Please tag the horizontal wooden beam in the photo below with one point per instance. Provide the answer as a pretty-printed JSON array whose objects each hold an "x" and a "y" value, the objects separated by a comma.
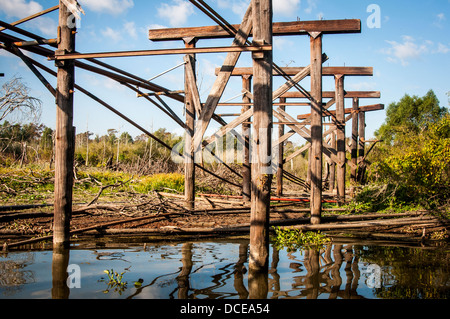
[
  {"x": 344, "y": 70},
  {"x": 331, "y": 94},
  {"x": 244, "y": 48},
  {"x": 367, "y": 108},
  {"x": 279, "y": 29}
]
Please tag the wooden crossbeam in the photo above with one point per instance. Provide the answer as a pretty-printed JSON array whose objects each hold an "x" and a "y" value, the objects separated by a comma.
[
  {"x": 119, "y": 54},
  {"x": 279, "y": 29},
  {"x": 331, "y": 94},
  {"x": 329, "y": 71},
  {"x": 367, "y": 108}
]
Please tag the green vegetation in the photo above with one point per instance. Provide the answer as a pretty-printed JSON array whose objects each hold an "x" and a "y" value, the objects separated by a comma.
[
  {"x": 115, "y": 281},
  {"x": 293, "y": 239},
  {"x": 411, "y": 167}
]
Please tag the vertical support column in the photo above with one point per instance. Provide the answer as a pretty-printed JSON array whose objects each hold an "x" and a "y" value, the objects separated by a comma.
[
  {"x": 262, "y": 137},
  {"x": 64, "y": 141},
  {"x": 361, "y": 151},
  {"x": 280, "y": 153},
  {"x": 189, "y": 164},
  {"x": 354, "y": 147},
  {"x": 340, "y": 118},
  {"x": 246, "y": 167},
  {"x": 316, "y": 128},
  {"x": 332, "y": 179}
]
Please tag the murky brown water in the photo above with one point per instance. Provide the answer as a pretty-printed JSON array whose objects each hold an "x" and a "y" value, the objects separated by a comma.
[{"x": 218, "y": 270}]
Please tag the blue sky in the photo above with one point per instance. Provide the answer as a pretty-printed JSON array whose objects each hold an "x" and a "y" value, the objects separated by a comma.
[{"x": 410, "y": 53}]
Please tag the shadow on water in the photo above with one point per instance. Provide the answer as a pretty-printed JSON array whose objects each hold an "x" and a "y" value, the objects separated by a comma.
[{"x": 219, "y": 270}]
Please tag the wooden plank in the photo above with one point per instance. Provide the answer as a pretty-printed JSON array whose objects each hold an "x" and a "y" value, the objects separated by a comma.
[
  {"x": 328, "y": 71},
  {"x": 279, "y": 29},
  {"x": 367, "y": 108},
  {"x": 65, "y": 135},
  {"x": 222, "y": 80},
  {"x": 261, "y": 139}
]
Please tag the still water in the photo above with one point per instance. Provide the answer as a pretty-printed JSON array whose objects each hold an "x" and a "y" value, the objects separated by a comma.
[{"x": 218, "y": 270}]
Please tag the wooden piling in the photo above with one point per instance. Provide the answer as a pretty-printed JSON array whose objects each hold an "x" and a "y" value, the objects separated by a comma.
[
  {"x": 361, "y": 146},
  {"x": 261, "y": 138},
  {"x": 280, "y": 153},
  {"x": 354, "y": 146},
  {"x": 340, "y": 144},
  {"x": 246, "y": 167},
  {"x": 64, "y": 144},
  {"x": 189, "y": 163},
  {"x": 316, "y": 128},
  {"x": 332, "y": 172}
]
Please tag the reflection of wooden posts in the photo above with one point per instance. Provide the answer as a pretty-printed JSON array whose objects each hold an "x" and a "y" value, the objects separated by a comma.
[
  {"x": 60, "y": 261},
  {"x": 354, "y": 146},
  {"x": 312, "y": 265},
  {"x": 246, "y": 167},
  {"x": 64, "y": 145},
  {"x": 240, "y": 271},
  {"x": 261, "y": 137},
  {"x": 315, "y": 158},
  {"x": 340, "y": 144},
  {"x": 280, "y": 153},
  {"x": 183, "y": 277},
  {"x": 361, "y": 151},
  {"x": 189, "y": 160}
]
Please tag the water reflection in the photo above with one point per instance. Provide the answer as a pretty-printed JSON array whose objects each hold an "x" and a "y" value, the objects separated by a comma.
[
  {"x": 220, "y": 270},
  {"x": 60, "y": 262}
]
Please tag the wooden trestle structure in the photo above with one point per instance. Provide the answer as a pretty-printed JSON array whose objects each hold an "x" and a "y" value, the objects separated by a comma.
[{"x": 258, "y": 103}]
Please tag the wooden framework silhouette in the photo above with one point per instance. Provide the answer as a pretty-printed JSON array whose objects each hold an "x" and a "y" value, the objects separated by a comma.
[{"x": 258, "y": 101}]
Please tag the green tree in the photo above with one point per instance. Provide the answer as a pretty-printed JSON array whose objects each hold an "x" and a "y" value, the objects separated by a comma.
[{"x": 411, "y": 115}]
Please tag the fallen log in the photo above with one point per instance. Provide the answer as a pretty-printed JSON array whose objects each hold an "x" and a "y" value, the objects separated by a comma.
[{"x": 372, "y": 223}]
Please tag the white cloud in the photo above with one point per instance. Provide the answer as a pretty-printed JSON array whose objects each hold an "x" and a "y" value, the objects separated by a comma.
[
  {"x": 405, "y": 51},
  {"x": 130, "y": 29},
  {"x": 286, "y": 7},
  {"x": 442, "y": 48},
  {"x": 19, "y": 8},
  {"x": 177, "y": 14},
  {"x": 114, "y": 35},
  {"x": 311, "y": 6},
  {"x": 114, "y": 7},
  {"x": 441, "y": 17},
  {"x": 239, "y": 7}
]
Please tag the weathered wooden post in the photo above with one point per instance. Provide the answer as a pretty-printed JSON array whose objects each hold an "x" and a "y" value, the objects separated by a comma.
[
  {"x": 246, "y": 167},
  {"x": 316, "y": 127},
  {"x": 189, "y": 159},
  {"x": 362, "y": 144},
  {"x": 261, "y": 139},
  {"x": 332, "y": 175},
  {"x": 280, "y": 153},
  {"x": 64, "y": 141},
  {"x": 340, "y": 144},
  {"x": 354, "y": 146}
]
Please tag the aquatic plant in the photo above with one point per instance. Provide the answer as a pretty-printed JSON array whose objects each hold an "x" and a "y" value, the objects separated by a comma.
[
  {"x": 293, "y": 239},
  {"x": 115, "y": 281}
]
